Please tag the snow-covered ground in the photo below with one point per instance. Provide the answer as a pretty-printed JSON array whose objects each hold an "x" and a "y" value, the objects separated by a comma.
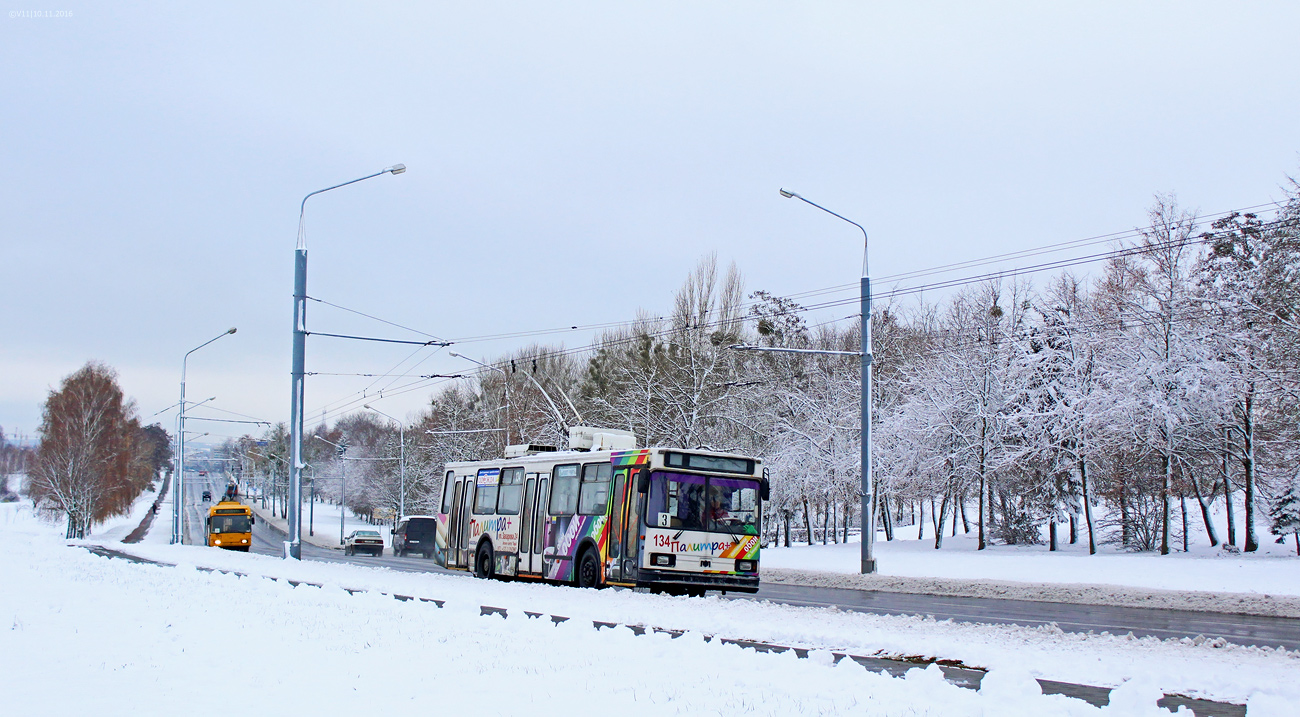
[
  {"x": 1274, "y": 570},
  {"x": 118, "y": 527},
  {"x": 175, "y": 633}
]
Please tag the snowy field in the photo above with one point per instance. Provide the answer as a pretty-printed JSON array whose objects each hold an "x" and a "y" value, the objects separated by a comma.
[
  {"x": 176, "y": 634},
  {"x": 1274, "y": 570}
]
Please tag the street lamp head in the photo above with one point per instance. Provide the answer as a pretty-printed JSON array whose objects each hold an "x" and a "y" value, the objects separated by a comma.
[
  {"x": 231, "y": 330},
  {"x": 788, "y": 194},
  {"x": 396, "y": 169},
  {"x": 454, "y": 354},
  {"x": 367, "y": 407}
]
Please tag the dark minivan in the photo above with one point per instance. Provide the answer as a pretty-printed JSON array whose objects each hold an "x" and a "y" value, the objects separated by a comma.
[{"x": 415, "y": 534}]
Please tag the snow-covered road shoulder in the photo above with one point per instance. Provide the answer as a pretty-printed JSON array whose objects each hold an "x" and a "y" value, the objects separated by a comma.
[{"x": 1266, "y": 583}]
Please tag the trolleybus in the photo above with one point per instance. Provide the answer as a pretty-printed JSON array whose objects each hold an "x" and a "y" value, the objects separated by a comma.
[
  {"x": 230, "y": 526},
  {"x": 606, "y": 513}
]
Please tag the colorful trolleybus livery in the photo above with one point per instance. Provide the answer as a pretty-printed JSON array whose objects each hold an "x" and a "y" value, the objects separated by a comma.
[{"x": 661, "y": 518}]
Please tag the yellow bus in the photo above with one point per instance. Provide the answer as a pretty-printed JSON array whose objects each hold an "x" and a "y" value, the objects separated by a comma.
[{"x": 230, "y": 526}]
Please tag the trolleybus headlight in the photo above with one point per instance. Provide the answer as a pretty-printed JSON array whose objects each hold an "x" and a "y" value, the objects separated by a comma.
[
  {"x": 663, "y": 560},
  {"x": 218, "y": 542},
  {"x": 745, "y": 566}
]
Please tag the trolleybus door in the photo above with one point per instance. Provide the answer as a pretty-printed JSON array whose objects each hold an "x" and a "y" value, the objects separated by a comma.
[
  {"x": 453, "y": 526},
  {"x": 466, "y": 500},
  {"x": 632, "y": 533},
  {"x": 539, "y": 524},
  {"x": 618, "y": 515},
  {"x": 526, "y": 525}
]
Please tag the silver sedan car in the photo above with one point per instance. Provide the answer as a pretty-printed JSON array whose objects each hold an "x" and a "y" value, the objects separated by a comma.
[{"x": 364, "y": 541}]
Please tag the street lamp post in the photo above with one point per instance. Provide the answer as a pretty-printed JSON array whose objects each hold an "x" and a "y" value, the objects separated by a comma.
[
  {"x": 180, "y": 442},
  {"x": 401, "y": 452},
  {"x": 275, "y": 482},
  {"x": 868, "y": 482},
  {"x": 341, "y": 450},
  {"x": 293, "y": 546},
  {"x": 311, "y": 520}
]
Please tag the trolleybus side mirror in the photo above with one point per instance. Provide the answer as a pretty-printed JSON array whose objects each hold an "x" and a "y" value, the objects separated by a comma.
[
  {"x": 764, "y": 489},
  {"x": 643, "y": 481}
]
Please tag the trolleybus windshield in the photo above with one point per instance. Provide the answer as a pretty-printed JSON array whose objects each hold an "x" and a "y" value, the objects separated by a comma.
[
  {"x": 230, "y": 524},
  {"x": 710, "y": 503}
]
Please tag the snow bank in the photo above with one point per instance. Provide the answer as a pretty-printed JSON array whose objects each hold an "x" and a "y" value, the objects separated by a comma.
[
  {"x": 1210, "y": 669},
  {"x": 92, "y": 635}
]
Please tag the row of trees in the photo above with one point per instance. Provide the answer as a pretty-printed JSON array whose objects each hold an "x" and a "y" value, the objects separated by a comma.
[
  {"x": 95, "y": 456},
  {"x": 13, "y": 463},
  {"x": 1102, "y": 406}
]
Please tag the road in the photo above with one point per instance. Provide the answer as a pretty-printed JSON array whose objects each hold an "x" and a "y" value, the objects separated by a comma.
[
  {"x": 1240, "y": 629},
  {"x": 269, "y": 541},
  {"x": 1164, "y": 624}
]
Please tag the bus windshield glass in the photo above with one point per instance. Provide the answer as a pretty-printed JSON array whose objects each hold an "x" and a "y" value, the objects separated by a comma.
[
  {"x": 692, "y": 502},
  {"x": 230, "y": 524}
]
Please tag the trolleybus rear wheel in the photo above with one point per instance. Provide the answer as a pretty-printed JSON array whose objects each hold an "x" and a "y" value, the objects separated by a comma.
[{"x": 483, "y": 565}]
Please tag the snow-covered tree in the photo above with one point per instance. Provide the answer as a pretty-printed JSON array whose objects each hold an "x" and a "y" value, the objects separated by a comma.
[{"x": 1284, "y": 511}]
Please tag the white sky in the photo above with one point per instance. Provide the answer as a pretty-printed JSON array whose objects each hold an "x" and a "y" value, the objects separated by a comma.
[{"x": 570, "y": 163}]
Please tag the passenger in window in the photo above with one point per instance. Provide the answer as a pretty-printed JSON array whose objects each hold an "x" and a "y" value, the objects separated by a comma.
[{"x": 719, "y": 507}]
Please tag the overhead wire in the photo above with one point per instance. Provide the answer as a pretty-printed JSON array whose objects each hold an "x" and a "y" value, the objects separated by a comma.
[
  {"x": 905, "y": 291},
  {"x": 334, "y": 406},
  {"x": 930, "y": 271},
  {"x": 376, "y": 318}
]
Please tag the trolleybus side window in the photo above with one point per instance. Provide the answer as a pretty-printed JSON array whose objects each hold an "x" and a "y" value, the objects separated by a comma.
[
  {"x": 446, "y": 491},
  {"x": 564, "y": 490},
  {"x": 485, "y": 496},
  {"x": 511, "y": 491},
  {"x": 593, "y": 496}
]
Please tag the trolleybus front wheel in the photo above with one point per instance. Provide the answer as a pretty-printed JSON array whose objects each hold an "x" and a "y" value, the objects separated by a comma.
[{"x": 588, "y": 573}]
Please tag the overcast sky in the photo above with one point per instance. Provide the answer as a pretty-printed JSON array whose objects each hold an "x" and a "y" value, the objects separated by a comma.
[{"x": 569, "y": 163}]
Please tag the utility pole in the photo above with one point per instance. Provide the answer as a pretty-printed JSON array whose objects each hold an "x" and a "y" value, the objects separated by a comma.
[
  {"x": 293, "y": 546},
  {"x": 340, "y": 450},
  {"x": 401, "y": 452},
  {"x": 179, "y": 481},
  {"x": 868, "y": 480}
]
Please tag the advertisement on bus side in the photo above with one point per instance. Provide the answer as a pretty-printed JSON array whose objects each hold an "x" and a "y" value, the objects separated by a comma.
[
  {"x": 504, "y": 531},
  {"x": 735, "y": 547}
]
